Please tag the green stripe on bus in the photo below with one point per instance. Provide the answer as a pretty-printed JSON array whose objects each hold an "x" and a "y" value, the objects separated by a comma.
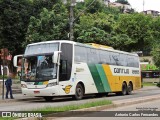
[
  {"x": 40, "y": 83},
  {"x": 96, "y": 78},
  {"x": 103, "y": 78},
  {"x": 36, "y": 83}
]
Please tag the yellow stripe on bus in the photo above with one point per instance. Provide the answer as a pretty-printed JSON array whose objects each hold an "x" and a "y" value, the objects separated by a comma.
[{"x": 115, "y": 82}]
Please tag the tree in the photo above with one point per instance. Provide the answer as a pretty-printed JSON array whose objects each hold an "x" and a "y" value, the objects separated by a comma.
[
  {"x": 120, "y": 41},
  {"x": 38, "y": 5},
  {"x": 14, "y": 16},
  {"x": 155, "y": 30},
  {"x": 93, "y": 7},
  {"x": 50, "y": 25},
  {"x": 94, "y": 28},
  {"x": 137, "y": 27},
  {"x": 14, "y": 20},
  {"x": 156, "y": 54}
]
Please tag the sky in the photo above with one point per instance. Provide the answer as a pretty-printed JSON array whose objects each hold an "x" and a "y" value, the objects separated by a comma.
[{"x": 148, "y": 4}]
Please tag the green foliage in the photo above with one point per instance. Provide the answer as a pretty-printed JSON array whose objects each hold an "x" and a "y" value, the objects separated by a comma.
[
  {"x": 65, "y": 108},
  {"x": 14, "y": 16},
  {"x": 149, "y": 67},
  {"x": 148, "y": 84},
  {"x": 5, "y": 76},
  {"x": 94, "y": 35},
  {"x": 38, "y": 5},
  {"x": 94, "y": 28},
  {"x": 120, "y": 41},
  {"x": 158, "y": 84},
  {"x": 93, "y": 7},
  {"x": 137, "y": 28},
  {"x": 156, "y": 54},
  {"x": 50, "y": 25}
]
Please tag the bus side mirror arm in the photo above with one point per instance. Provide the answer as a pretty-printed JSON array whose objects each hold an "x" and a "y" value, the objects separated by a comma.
[{"x": 55, "y": 57}]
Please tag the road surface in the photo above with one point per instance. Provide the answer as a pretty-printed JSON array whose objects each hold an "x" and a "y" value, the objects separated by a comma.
[{"x": 23, "y": 104}]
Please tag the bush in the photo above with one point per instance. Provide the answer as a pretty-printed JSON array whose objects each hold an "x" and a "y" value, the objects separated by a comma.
[
  {"x": 1, "y": 76},
  {"x": 158, "y": 84}
]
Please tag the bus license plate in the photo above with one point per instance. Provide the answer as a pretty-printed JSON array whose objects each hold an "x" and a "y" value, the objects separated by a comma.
[{"x": 36, "y": 92}]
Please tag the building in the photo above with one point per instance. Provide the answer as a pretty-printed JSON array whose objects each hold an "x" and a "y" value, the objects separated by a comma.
[
  {"x": 125, "y": 7},
  {"x": 154, "y": 13},
  {"x": 107, "y": 2}
]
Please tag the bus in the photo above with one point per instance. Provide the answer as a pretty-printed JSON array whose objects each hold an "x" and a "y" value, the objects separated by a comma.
[{"x": 66, "y": 68}]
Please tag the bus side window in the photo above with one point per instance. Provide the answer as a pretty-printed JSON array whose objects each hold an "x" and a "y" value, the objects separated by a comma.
[
  {"x": 63, "y": 68},
  {"x": 123, "y": 59},
  {"x": 66, "y": 62},
  {"x": 114, "y": 57}
]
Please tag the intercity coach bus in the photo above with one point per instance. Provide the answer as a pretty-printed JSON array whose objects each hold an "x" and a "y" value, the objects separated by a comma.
[{"x": 67, "y": 68}]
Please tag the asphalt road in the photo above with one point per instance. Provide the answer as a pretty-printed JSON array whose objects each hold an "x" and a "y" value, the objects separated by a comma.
[{"x": 23, "y": 104}]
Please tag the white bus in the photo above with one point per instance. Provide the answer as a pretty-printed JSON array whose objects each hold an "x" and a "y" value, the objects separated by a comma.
[{"x": 67, "y": 68}]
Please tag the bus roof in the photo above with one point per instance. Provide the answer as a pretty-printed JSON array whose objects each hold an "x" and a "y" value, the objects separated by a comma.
[{"x": 81, "y": 44}]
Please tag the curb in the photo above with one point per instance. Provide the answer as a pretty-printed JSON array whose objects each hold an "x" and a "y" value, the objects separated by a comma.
[{"x": 118, "y": 103}]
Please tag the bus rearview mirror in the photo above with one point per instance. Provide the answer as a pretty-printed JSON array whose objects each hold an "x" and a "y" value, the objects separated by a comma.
[
  {"x": 55, "y": 57},
  {"x": 17, "y": 60}
]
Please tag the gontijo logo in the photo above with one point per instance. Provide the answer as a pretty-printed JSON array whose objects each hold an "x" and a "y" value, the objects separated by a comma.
[{"x": 67, "y": 89}]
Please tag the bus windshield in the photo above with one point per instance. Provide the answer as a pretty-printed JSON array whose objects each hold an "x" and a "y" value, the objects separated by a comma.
[{"x": 39, "y": 68}]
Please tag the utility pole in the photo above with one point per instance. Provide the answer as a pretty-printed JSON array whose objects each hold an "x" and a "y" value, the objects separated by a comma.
[
  {"x": 143, "y": 5},
  {"x": 3, "y": 73},
  {"x": 72, "y": 3}
]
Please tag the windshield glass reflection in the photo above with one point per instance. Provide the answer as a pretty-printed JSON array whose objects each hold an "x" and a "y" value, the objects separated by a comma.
[{"x": 39, "y": 68}]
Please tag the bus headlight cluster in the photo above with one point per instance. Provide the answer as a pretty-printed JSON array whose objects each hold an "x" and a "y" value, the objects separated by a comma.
[
  {"x": 23, "y": 86},
  {"x": 52, "y": 84}
]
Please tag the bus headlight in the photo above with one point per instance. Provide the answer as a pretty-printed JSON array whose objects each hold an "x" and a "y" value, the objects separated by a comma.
[
  {"x": 52, "y": 84},
  {"x": 23, "y": 86}
]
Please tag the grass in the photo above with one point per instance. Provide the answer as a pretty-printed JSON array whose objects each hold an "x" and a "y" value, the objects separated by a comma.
[
  {"x": 1, "y": 76},
  {"x": 9, "y": 118},
  {"x": 66, "y": 108},
  {"x": 148, "y": 84},
  {"x": 49, "y": 110}
]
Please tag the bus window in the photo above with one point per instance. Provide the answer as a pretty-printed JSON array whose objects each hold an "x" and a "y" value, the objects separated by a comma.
[
  {"x": 136, "y": 62},
  {"x": 104, "y": 57},
  {"x": 130, "y": 61},
  {"x": 114, "y": 58},
  {"x": 80, "y": 54},
  {"x": 123, "y": 60},
  {"x": 93, "y": 56},
  {"x": 66, "y": 62}
]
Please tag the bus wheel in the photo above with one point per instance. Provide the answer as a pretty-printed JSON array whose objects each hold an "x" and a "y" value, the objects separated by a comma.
[
  {"x": 79, "y": 92},
  {"x": 48, "y": 98},
  {"x": 129, "y": 89},
  {"x": 124, "y": 89}
]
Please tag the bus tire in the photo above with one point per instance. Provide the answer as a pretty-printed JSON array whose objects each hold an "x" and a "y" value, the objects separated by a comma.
[
  {"x": 124, "y": 88},
  {"x": 48, "y": 98},
  {"x": 79, "y": 93},
  {"x": 129, "y": 88}
]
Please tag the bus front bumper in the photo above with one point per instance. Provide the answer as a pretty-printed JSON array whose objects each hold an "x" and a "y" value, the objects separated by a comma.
[{"x": 48, "y": 91}]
